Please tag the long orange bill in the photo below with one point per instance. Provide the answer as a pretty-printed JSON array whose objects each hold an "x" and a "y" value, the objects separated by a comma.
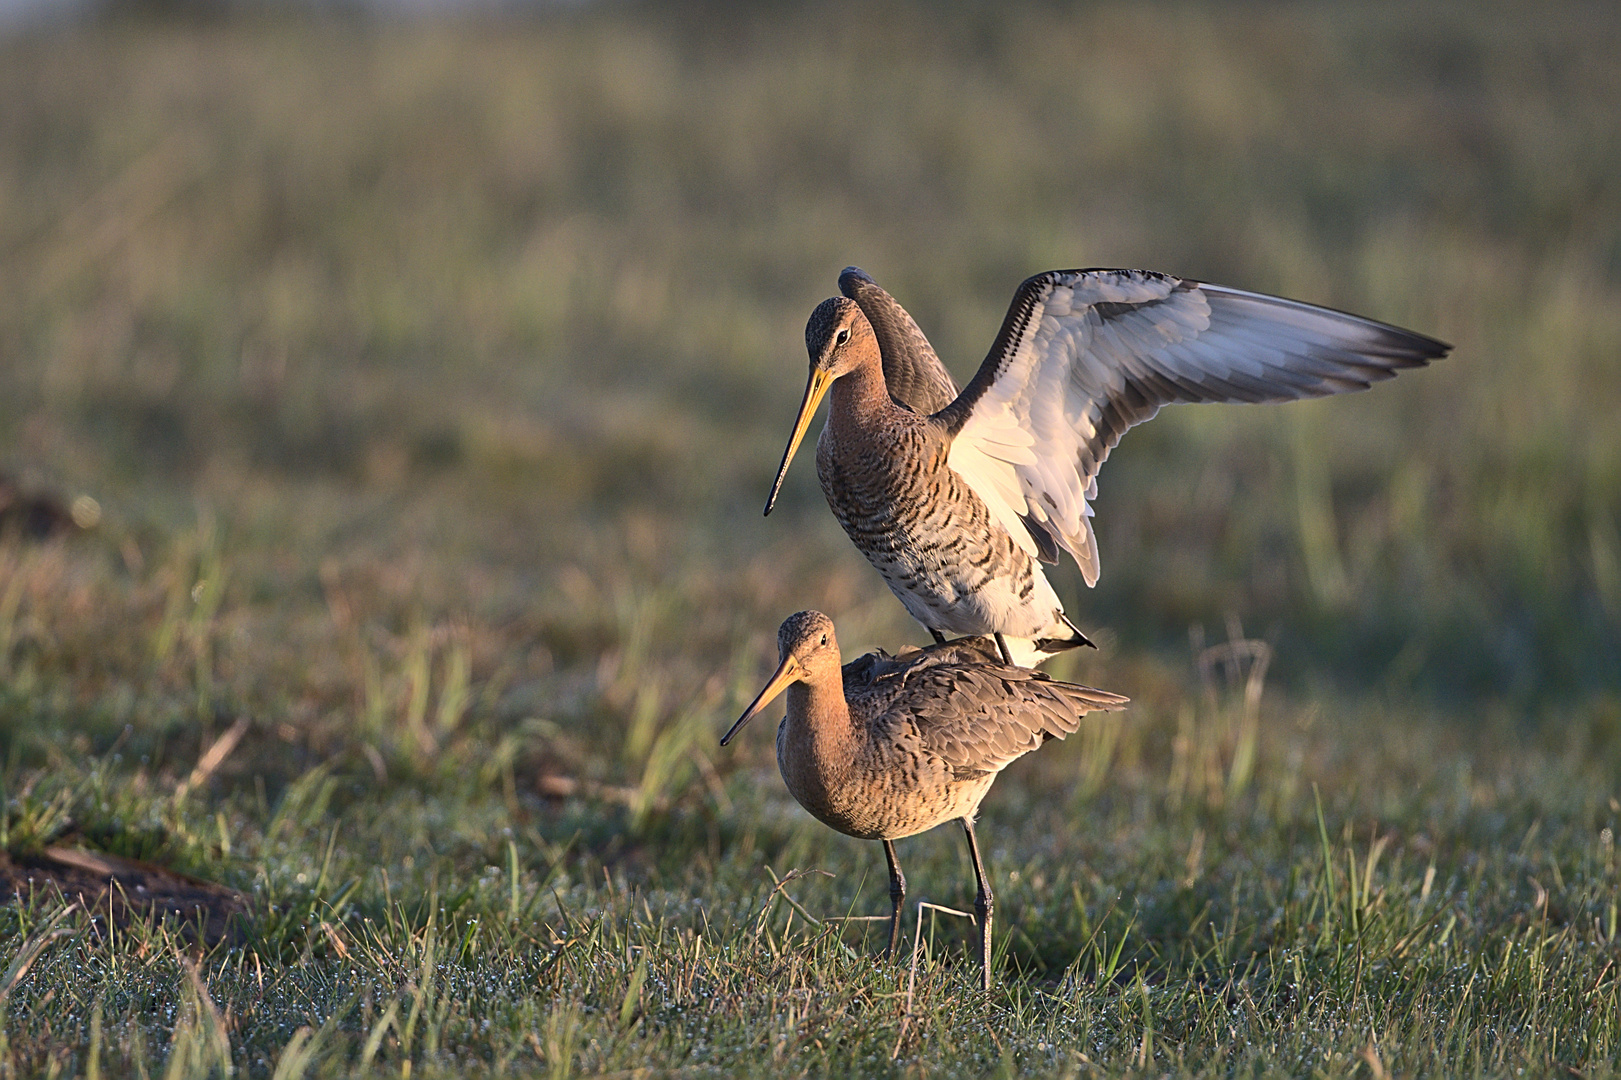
[
  {"x": 815, "y": 387},
  {"x": 787, "y": 673}
]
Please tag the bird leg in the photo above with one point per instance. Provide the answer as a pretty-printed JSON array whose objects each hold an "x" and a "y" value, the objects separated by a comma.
[
  {"x": 983, "y": 902},
  {"x": 939, "y": 638},
  {"x": 897, "y": 893},
  {"x": 1007, "y": 658}
]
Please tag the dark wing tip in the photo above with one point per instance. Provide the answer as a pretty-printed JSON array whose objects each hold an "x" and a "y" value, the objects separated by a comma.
[
  {"x": 1368, "y": 350},
  {"x": 1399, "y": 342},
  {"x": 1395, "y": 349},
  {"x": 851, "y": 278},
  {"x": 1427, "y": 348}
]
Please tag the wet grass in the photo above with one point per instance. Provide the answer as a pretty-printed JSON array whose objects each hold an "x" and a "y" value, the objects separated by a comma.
[{"x": 424, "y": 383}]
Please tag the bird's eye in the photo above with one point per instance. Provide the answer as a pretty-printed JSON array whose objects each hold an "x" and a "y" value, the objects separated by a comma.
[
  {"x": 824, "y": 639},
  {"x": 839, "y": 339}
]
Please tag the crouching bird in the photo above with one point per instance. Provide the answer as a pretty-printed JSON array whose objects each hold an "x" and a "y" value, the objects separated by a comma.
[{"x": 891, "y": 746}]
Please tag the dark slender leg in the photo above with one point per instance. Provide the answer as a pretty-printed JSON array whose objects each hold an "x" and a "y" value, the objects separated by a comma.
[
  {"x": 897, "y": 893},
  {"x": 983, "y": 902},
  {"x": 1001, "y": 645},
  {"x": 939, "y": 639}
]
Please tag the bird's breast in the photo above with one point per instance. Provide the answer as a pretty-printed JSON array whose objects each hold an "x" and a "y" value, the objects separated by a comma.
[
  {"x": 882, "y": 785},
  {"x": 931, "y": 537}
]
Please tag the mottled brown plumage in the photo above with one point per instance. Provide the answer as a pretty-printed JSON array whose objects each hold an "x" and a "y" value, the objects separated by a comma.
[
  {"x": 883, "y": 468},
  {"x": 956, "y": 498},
  {"x": 890, "y": 746}
]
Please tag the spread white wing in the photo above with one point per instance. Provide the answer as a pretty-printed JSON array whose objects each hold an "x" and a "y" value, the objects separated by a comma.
[{"x": 1085, "y": 354}]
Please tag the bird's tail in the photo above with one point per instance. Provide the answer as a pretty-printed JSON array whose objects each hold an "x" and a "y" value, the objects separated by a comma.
[{"x": 1044, "y": 647}]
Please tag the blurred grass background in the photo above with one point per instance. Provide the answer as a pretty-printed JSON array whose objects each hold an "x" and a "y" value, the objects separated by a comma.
[
  {"x": 429, "y": 376},
  {"x": 504, "y": 298}
]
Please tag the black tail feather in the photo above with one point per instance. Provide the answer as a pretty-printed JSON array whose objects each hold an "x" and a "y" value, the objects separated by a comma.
[{"x": 1060, "y": 644}]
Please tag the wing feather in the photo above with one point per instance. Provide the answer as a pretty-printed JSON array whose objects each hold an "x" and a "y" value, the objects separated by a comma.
[
  {"x": 979, "y": 717},
  {"x": 914, "y": 374},
  {"x": 1083, "y": 355}
]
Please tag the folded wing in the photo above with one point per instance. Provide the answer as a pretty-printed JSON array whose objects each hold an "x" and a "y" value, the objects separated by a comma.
[
  {"x": 1085, "y": 354},
  {"x": 913, "y": 372},
  {"x": 979, "y": 718}
]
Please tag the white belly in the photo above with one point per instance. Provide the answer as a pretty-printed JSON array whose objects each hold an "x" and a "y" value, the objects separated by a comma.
[{"x": 992, "y": 604}]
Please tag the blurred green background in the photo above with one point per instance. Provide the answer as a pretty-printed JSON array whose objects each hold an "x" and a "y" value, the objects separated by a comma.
[
  {"x": 422, "y": 380},
  {"x": 503, "y": 315}
]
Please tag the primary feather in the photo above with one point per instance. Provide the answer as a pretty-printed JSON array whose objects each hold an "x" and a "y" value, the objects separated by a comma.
[{"x": 1085, "y": 354}]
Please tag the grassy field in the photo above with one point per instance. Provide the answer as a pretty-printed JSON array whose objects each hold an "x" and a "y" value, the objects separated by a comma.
[{"x": 422, "y": 384}]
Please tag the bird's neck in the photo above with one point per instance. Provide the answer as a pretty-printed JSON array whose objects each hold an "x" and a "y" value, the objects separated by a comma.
[
  {"x": 861, "y": 394},
  {"x": 820, "y": 720}
]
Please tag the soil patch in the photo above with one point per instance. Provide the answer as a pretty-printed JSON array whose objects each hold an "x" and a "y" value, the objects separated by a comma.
[{"x": 126, "y": 889}]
